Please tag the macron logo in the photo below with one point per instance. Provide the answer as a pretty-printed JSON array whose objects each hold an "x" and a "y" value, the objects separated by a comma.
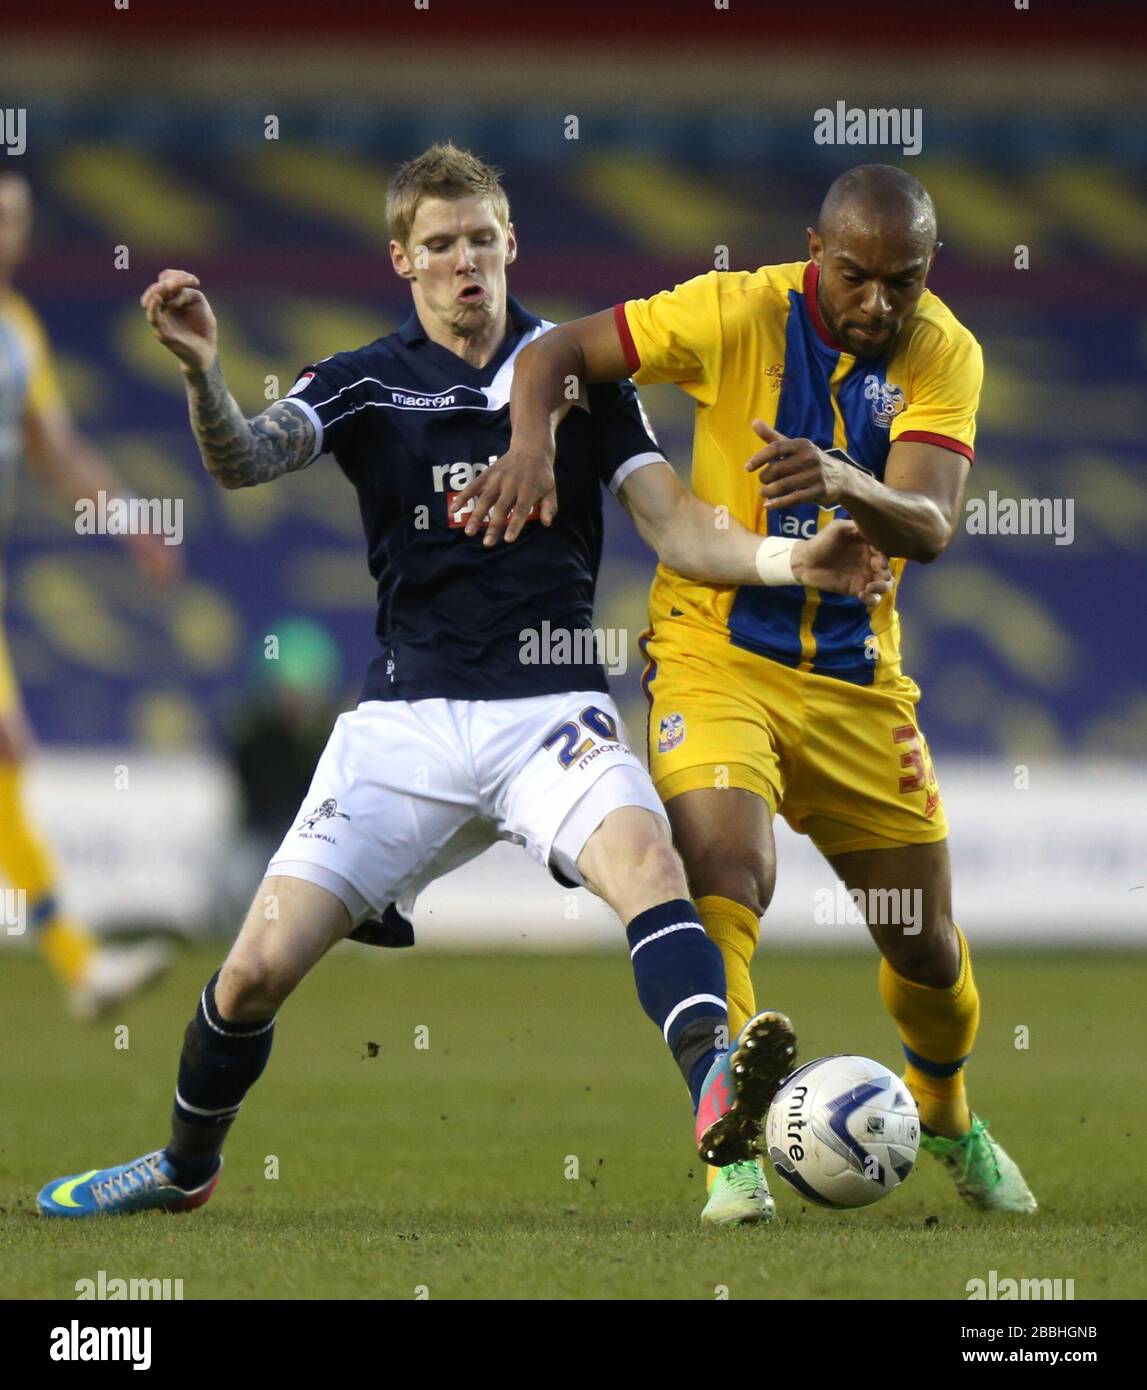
[{"x": 408, "y": 402}]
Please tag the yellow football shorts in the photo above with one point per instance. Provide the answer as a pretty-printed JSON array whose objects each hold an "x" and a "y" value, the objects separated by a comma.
[{"x": 844, "y": 764}]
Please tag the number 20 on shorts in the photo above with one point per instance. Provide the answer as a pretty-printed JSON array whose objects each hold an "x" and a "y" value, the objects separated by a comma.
[{"x": 574, "y": 746}]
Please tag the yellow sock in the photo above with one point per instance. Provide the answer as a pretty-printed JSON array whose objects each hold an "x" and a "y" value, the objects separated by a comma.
[
  {"x": 937, "y": 1028},
  {"x": 25, "y": 864},
  {"x": 68, "y": 947},
  {"x": 736, "y": 929}
]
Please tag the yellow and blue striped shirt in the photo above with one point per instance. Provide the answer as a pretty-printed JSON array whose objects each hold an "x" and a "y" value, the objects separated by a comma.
[{"x": 751, "y": 345}]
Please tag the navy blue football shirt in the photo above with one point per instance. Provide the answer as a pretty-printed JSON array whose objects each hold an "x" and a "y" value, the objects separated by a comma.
[{"x": 411, "y": 424}]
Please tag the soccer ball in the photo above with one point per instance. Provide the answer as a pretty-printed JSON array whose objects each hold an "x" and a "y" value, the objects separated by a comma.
[{"x": 843, "y": 1131}]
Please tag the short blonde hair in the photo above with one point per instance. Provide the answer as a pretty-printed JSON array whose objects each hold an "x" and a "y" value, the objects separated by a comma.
[{"x": 442, "y": 171}]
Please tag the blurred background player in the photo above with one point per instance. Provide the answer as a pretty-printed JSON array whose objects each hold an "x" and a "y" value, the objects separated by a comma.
[
  {"x": 273, "y": 739},
  {"x": 789, "y": 699},
  {"x": 35, "y": 424}
]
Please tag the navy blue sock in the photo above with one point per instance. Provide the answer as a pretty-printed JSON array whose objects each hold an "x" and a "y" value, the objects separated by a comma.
[
  {"x": 681, "y": 985},
  {"x": 220, "y": 1062}
]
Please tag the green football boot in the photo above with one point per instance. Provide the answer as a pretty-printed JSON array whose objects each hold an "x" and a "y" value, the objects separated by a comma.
[
  {"x": 985, "y": 1176},
  {"x": 740, "y": 1196}
]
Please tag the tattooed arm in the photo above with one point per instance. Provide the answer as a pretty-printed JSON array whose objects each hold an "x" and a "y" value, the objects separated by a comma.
[{"x": 237, "y": 452}]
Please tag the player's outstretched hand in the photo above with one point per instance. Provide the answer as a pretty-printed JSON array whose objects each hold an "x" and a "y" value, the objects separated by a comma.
[
  {"x": 795, "y": 470},
  {"x": 509, "y": 493},
  {"x": 181, "y": 318},
  {"x": 840, "y": 560}
]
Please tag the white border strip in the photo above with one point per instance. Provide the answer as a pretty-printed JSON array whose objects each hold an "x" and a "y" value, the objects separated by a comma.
[
  {"x": 631, "y": 465},
  {"x": 677, "y": 926},
  {"x": 312, "y": 416},
  {"x": 685, "y": 1003}
]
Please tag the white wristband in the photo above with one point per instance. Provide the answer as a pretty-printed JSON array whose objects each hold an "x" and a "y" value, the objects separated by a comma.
[{"x": 774, "y": 561}]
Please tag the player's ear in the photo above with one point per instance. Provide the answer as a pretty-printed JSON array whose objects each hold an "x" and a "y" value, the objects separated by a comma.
[
  {"x": 400, "y": 261},
  {"x": 815, "y": 246},
  {"x": 511, "y": 244}
]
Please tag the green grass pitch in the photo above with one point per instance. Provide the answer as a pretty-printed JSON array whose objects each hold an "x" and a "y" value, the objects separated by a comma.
[{"x": 441, "y": 1171}]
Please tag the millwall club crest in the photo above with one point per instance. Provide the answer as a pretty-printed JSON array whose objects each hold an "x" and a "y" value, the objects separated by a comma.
[
  {"x": 325, "y": 810},
  {"x": 671, "y": 732},
  {"x": 887, "y": 401}
]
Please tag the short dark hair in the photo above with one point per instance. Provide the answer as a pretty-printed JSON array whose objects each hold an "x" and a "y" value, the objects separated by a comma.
[{"x": 883, "y": 189}]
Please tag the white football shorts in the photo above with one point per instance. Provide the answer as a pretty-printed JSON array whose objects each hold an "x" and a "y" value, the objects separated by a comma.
[{"x": 406, "y": 791}]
